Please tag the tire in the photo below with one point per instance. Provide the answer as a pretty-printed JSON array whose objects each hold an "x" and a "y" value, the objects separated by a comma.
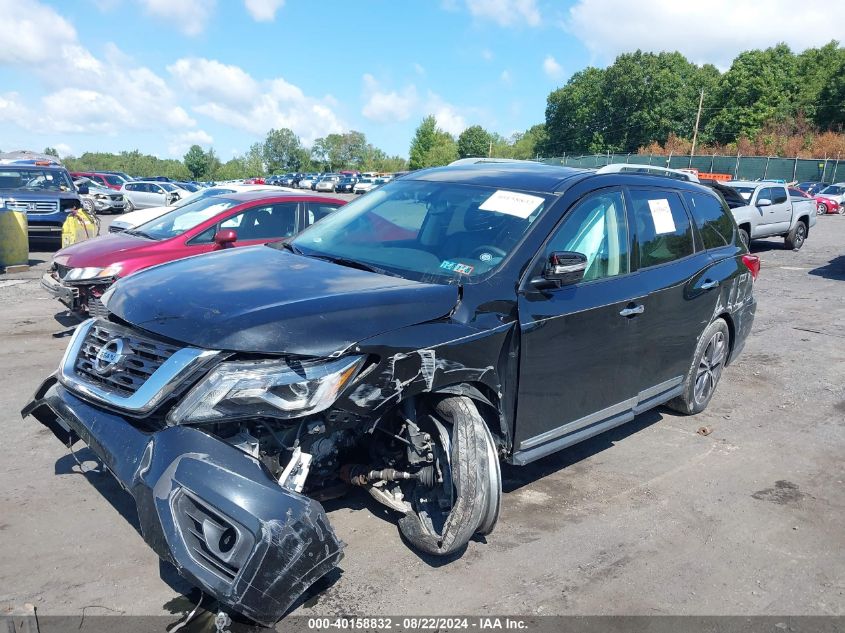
[
  {"x": 746, "y": 239},
  {"x": 821, "y": 208},
  {"x": 88, "y": 205},
  {"x": 795, "y": 239},
  {"x": 476, "y": 484},
  {"x": 706, "y": 369},
  {"x": 129, "y": 208},
  {"x": 841, "y": 210}
]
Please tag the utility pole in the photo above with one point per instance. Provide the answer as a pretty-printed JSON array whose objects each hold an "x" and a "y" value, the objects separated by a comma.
[
  {"x": 697, "y": 119},
  {"x": 490, "y": 151}
]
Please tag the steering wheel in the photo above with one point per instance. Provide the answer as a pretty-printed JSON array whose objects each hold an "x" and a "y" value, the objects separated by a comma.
[{"x": 487, "y": 249}]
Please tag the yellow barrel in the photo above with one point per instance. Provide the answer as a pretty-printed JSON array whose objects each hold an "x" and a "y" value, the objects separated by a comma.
[{"x": 14, "y": 243}]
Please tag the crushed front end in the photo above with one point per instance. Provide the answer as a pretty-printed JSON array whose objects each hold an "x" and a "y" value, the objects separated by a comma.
[{"x": 208, "y": 500}]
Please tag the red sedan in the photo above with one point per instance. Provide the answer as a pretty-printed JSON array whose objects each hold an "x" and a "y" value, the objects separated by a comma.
[{"x": 81, "y": 273}]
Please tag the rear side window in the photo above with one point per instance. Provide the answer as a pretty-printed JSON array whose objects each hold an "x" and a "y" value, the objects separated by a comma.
[
  {"x": 317, "y": 212},
  {"x": 778, "y": 195},
  {"x": 713, "y": 220},
  {"x": 664, "y": 233}
]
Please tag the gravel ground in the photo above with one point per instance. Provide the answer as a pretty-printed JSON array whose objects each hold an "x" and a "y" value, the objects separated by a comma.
[{"x": 651, "y": 518}]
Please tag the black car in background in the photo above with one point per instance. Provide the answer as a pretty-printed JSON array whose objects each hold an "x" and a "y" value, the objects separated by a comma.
[
  {"x": 405, "y": 344},
  {"x": 812, "y": 187},
  {"x": 346, "y": 184}
]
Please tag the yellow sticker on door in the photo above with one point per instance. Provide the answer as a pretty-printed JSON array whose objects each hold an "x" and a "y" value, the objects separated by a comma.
[{"x": 661, "y": 215}]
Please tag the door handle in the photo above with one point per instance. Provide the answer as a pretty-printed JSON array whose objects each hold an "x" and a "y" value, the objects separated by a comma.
[
  {"x": 707, "y": 285},
  {"x": 632, "y": 311}
]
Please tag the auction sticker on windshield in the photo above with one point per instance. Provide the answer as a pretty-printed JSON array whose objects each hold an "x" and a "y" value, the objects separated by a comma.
[
  {"x": 464, "y": 269},
  {"x": 520, "y": 205},
  {"x": 661, "y": 215}
]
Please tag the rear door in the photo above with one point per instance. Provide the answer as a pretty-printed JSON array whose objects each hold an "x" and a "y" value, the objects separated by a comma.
[
  {"x": 682, "y": 294},
  {"x": 781, "y": 209},
  {"x": 264, "y": 223}
]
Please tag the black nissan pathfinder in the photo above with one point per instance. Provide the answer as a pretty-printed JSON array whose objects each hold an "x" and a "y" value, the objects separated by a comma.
[{"x": 406, "y": 344}]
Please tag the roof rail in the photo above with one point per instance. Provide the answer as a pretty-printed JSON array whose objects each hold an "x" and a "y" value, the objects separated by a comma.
[
  {"x": 473, "y": 161},
  {"x": 647, "y": 170}
]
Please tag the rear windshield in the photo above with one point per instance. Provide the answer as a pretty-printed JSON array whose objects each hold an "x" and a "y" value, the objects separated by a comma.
[{"x": 183, "y": 219}]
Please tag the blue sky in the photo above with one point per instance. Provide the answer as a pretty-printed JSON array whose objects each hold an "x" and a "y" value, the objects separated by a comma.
[{"x": 159, "y": 75}]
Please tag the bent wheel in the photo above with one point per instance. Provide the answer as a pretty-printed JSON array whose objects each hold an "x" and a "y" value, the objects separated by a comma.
[{"x": 467, "y": 500}]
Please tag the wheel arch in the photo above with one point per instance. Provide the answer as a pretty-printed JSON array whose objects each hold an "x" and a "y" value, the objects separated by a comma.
[
  {"x": 727, "y": 318},
  {"x": 486, "y": 401}
]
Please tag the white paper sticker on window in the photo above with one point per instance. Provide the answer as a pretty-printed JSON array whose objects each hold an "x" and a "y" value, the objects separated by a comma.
[
  {"x": 520, "y": 205},
  {"x": 661, "y": 215}
]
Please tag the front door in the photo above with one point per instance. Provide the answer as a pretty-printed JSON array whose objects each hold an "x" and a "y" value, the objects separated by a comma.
[{"x": 579, "y": 350}]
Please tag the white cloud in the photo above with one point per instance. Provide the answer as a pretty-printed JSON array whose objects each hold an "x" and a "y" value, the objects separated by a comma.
[
  {"x": 506, "y": 12},
  {"x": 12, "y": 109},
  {"x": 214, "y": 80},
  {"x": 689, "y": 27},
  {"x": 449, "y": 119},
  {"x": 419, "y": 69},
  {"x": 32, "y": 32},
  {"x": 63, "y": 149},
  {"x": 263, "y": 10},
  {"x": 387, "y": 107},
  {"x": 273, "y": 104},
  {"x": 188, "y": 16},
  {"x": 552, "y": 68},
  {"x": 505, "y": 78},
  {"x": 182, "y": 142},
  {"x": 487, "y": 54}
]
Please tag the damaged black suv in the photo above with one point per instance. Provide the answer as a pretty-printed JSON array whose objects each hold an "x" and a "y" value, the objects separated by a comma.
[{"x": 406, "y": 344}]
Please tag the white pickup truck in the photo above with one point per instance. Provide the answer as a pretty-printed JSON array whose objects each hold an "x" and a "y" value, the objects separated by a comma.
[{"x": 770, "y": 211}]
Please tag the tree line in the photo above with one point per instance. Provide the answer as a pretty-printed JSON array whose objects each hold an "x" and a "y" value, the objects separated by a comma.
[{"x": 281, "y": 151}]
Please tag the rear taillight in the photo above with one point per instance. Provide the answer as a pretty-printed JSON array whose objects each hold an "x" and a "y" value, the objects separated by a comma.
[{"x": 752, "y": 263}]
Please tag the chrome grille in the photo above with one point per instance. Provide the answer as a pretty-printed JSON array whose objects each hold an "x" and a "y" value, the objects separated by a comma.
[
  {"x": 32, "y": 207},
  {"x": 143, "y": 357}
]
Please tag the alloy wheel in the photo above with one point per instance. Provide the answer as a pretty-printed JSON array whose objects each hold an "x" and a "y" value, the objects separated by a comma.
[{"x": 710, "y": 367}]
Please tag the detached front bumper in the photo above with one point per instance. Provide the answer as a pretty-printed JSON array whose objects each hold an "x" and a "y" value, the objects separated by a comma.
[
  {"x": 66, "y": 294},
  {"x": 209, "y": 509}
]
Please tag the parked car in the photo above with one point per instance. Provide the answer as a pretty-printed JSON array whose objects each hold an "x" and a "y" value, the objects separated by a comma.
[
  {"x": 812, "y": 187},
  {"x": 327, "y": 183},
  {"x": 81, "y": 273},
  {"x": 142, "y": 194},
  {"x": 45, "y": 193},
  {"x": 307, "y": 181},
  {"x": 772, "y": 212},
  {"x": 141, "y": 216},
  {"x": 831, "y": 199},
  {"x": 254, "y": 181},
  {"x": 110, "y": 181},
  {"x": 346, "y": 184},
  {"x": 364, "y": 185},
  {"x": 289, "y": 180},
  {"x": 99, "y": 199},
  {"x": 795, "y": 192},
  {"x": 403, "y": 345}
]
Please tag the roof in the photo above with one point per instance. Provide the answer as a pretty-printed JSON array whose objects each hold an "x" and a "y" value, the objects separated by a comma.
[
  {"x": 524, "y": 175},
  {"x": 752, "y": 183},
  {"x": 247, "y": 196}
]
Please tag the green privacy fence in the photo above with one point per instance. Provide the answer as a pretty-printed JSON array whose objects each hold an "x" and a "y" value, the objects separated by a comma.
[{"x": 739, "y": 167}]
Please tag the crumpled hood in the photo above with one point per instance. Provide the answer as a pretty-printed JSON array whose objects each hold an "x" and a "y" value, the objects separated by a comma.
[
  {"x": 101, "y": 251},
  {"x": 263, "y": 300}
]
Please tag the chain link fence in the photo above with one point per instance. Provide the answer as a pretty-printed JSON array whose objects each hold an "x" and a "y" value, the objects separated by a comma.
[{"x": 739, "y": 167}]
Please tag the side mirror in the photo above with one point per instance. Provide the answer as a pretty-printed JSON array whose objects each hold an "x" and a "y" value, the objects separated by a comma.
[
  {"x": 83, "y": 189},
  {"x": 225, "y": 238},
  {"x": 764, "y": 202},
  {"x": 564, "y": 268}
]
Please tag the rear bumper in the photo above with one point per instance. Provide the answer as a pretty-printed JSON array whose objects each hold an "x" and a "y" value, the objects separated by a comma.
[{"x": 209, "y": 509}]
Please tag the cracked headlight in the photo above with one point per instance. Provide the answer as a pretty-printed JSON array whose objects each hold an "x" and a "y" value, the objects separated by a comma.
[
  {"x": 85, "y": 274},
  {"x": 272, "y": 388}
]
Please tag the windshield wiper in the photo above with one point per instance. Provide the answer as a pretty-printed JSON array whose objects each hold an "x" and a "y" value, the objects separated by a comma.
[
  {"x": 140, "y": 234},
  {"x": 352, "y": 263},
  {"x": 290, "y": 247}
]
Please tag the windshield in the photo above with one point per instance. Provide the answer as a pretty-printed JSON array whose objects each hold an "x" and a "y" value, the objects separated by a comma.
[
  {"x": 426, "y": 231},
  {"x": 183, "y": 218},
  {"x": 113, "y": 180},
  {"x": 35, "y": 179},
  {"x": 167, "y": 186},
  {"x": 833, "y": 190},
  {"x": 201, "y": 194},
  {"x": 746, "y": 191}
]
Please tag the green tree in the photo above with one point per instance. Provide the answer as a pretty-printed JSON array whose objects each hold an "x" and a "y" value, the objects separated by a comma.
[
  {"x": 196, "y": 161},
  {"x": 757, "y": 89},
  {"x": 282, "y": 151},
  {"x": 422, "y": 142},
  {"x": 474, "y": 141},
  {"x": 816, "y": 69},
  {"x": 830, "y": 113},
  {"x": 254, "y": 161},
  {"x": 51, "y": 151}
]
